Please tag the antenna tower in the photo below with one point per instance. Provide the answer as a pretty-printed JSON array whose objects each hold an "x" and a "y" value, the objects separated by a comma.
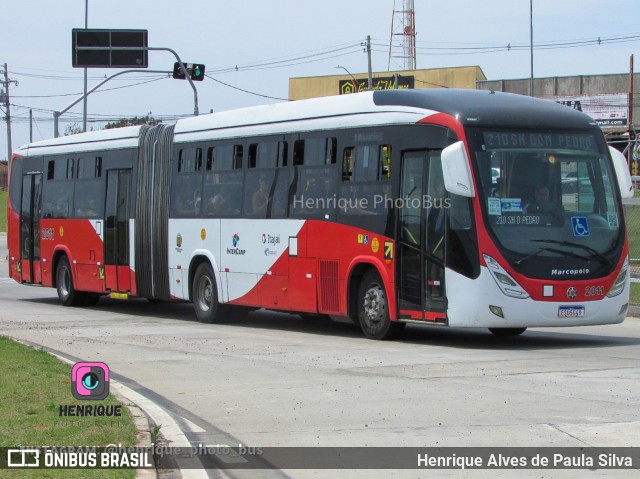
[{"x": 403, "y": 35}]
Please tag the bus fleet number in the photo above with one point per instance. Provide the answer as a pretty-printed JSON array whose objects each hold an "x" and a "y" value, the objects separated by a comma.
[
  {"x": 594, "y": 291},
  {"x": 47, "y": 234}
]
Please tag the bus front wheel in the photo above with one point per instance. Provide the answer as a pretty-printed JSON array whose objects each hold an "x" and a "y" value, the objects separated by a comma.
[
  {"x": 507, "y": 331},
  {"x": 67, "y": 293},
  {"x": 205, "y": 295},
  {"x": 373, "y": 309}
]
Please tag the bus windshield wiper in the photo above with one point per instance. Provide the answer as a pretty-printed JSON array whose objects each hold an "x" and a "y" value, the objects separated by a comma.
[
  {"x": 590, "y": 250},
  {"x": 540, "y": 250}
]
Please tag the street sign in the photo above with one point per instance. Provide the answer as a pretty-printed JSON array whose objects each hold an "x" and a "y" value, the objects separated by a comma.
[{"x": 99, "y": 48}]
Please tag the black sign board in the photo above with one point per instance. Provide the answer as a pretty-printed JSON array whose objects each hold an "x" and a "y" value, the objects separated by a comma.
[
  {"x": 379, "y": 83},
  {"x": 95, "y": 48}
]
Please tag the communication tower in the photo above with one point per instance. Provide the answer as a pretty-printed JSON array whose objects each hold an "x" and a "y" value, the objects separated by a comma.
[{"x": 402, "y": 47}]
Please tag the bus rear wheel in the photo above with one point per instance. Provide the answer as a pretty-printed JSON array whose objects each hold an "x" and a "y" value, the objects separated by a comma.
[
  {"x": 507, "y": 331},
  {"x": 373, "y": 309},
  {"x": 67, "y": 293},
  {"x": 205, "y": 295}
]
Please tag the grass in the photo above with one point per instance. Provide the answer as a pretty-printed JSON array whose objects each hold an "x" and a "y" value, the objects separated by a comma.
[
  {"x": 635, "y": 293},
  {"x": 633, "y": 230},
  {"x": 33, "y": 385},
  {"x": 3, "y": 211}
]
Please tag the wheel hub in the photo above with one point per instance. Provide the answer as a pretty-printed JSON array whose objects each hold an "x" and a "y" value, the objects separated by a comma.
[{"x": 374, "y": 303}]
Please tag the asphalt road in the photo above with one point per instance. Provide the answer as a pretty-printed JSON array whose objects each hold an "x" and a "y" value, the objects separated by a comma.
[{"x": 278, "y": 380}]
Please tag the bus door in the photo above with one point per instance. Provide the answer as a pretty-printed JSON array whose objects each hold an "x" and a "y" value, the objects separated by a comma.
[
  {"x": 116, "y": 231},
  {"x": 30, "y": 227},
  {"x": 421, "y": 241}
]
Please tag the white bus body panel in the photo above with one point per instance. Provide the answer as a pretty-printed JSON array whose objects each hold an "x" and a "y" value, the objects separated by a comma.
[
  {"x": 238, "y": 267},
  {"x": 469, "y": 301}
]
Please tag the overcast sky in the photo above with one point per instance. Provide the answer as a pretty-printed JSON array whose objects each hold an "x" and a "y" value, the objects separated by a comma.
[{"x": 293, "y": 38}]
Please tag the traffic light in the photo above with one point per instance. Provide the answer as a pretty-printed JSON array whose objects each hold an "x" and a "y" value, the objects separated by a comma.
[{"x": 194, "y": 70}]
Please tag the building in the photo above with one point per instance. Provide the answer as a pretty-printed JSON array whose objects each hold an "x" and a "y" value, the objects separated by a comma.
[
  {"x": 606, "y": 98},
  {"x": 312, "y": 87}
]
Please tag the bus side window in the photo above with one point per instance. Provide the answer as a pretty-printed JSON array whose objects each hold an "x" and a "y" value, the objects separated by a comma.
[
  {"x": 385, "y": 163},
  {"x": 59, "y": 189},
  {"x": 283, "y": 151},
  {"x": 367, "y": 163},
  {"x": 237, "y": 157},
  {"x": 253, "y": 155},
  {"x": 298, "y": 153},
  {"x": 210, "y": 158},
  {"x": 347, "y": 163}
]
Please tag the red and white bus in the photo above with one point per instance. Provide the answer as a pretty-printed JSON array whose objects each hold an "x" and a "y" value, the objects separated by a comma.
[{"x": 388, "y": 207}]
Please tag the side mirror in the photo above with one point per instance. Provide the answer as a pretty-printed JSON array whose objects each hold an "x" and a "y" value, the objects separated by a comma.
[
  {"x": 456, "y": 170},
  {"x": 622, "y": 173}
]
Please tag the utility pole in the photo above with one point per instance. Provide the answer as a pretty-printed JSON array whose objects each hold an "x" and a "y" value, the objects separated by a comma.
[
  {"x": 7, "y": 104},
  {"x": 84, "y": 100},
  {"x": 369, "y": 58},
  {"x": 30, "y": 125},
  {"x": 632, "y": 133}
]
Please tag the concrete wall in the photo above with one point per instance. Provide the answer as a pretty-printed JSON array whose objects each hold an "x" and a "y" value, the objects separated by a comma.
[
  {"x": 571, "y": 86},
  {"x": 460, "y": 77}
]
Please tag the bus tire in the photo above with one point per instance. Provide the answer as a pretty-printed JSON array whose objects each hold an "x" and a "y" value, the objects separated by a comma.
[
  {"x": 507, "y": 331},
  {"x": 373, "y": 309},
  {"x": 67, "y": 293},
  {"x": 205, "y": 295}
]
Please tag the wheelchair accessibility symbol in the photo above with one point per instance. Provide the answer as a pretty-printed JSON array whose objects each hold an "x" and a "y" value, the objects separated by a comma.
[{"x": 580, "y": 226}]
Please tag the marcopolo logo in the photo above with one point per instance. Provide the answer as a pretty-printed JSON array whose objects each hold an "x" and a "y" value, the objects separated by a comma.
[{"x": 90, "y": 381}]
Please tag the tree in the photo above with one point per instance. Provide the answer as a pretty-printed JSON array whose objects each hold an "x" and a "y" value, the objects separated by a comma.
[
  {"x": 144, "y": 120},
  {"x": 72, "y": 129}
]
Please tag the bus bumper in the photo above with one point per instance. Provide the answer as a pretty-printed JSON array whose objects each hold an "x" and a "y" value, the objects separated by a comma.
[{"x": 469, "y": 301}]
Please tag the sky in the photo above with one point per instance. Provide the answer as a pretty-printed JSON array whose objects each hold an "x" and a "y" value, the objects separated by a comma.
[{"x": 272, "y": 41}]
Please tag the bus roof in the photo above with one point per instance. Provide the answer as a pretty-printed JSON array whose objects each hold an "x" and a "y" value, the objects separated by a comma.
[
  {"x": 489, "y": 108},
  {"x": 390, "y": 107},
  {"x": 335, "y": 112},
  {"x": 111, "y": 139}
]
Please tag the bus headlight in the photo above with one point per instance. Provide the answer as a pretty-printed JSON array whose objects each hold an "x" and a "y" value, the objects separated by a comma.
[
  {"x": 505, "y": 282},
  {"x": 618, "y": 284}
]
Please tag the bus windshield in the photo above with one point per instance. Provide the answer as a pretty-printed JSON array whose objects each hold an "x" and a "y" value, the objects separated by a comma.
[{"x": 550, "y": 196}]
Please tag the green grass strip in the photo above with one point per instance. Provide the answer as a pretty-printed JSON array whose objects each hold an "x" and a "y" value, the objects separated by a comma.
[{"x": 33, "y": 386}]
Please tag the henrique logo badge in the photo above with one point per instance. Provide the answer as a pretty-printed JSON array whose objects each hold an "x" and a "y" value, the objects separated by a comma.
[{"x": 90, "y": 381}]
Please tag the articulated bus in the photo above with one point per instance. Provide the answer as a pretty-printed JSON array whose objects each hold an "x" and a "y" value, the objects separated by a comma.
[{"x": 386, "y": 207}]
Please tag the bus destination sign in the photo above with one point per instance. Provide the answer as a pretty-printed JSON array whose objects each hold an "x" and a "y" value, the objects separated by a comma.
[{"x": 496, "y": 140}]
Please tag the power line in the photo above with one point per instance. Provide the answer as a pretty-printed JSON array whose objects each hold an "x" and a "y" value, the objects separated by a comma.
[
  {"x": 246, "y": 91},
  {"x": 97, "y": 91}
]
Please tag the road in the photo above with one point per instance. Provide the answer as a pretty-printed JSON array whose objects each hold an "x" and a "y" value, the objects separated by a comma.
[{"x": 278, "y": 380}]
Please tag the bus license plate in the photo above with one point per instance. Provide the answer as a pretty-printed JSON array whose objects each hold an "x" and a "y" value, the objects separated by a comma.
[{"x": 570, "y": 311}]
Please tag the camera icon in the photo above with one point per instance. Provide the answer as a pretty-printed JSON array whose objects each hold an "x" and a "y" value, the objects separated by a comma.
[{"x": 90, "y": 381}]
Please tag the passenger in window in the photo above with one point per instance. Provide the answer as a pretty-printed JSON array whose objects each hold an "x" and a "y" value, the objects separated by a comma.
[
  {"x": 260, "y": 199},
  {"x": 91, "y": 211},
  {"x": 223, "y": 203},
  {"x": 541, "y": 204}
]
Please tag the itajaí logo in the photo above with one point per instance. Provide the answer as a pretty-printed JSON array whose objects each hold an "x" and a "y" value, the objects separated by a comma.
[{"x": 235, "y": 250}]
